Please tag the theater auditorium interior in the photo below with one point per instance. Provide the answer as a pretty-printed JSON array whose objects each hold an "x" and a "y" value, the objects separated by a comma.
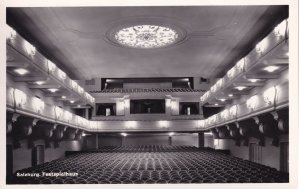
[{"x": 147, "y": 95}]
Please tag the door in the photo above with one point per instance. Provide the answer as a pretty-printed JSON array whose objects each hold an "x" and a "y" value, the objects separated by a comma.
[
  {"x": 9, "y": 160},
  {"x": 255, "y": 152},
  {"x": 284, "y": 156},
  {"x": 38, "y": 155}
]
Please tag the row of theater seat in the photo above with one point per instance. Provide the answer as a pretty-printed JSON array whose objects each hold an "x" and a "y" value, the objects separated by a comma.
[
  {"x": 138, "y": 90},
  {"x": 153, "y": 164}
]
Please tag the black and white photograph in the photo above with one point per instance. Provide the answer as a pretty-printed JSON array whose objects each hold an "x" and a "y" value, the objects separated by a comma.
[{"x": 193, "y": 95}]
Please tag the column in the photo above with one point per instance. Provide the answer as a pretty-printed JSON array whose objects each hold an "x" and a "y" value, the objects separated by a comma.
[
  {"x": 200, "y": 140},
  {"x": 170, "y": 140}
]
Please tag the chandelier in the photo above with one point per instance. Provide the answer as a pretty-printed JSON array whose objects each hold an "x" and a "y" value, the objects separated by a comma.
[{"x": 146, "y": 36}]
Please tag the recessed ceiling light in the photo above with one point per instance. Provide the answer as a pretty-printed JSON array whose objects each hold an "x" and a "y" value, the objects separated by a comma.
[
  {"x": 53, "y": 90},
  {"x": 40, "y": 82},
  {"x": 222, "y": 99},
  {"x": 230, "y": 95},
  {"x": 216, "y": 104},
  {"x": 271, "y": 68},
  {"x": 240, "y": 88},
  {"x": 64, "y": 97},
  {"x": 124, "y": 134},
  {"x": 253, "y": 80},
  {"x": 21, "y": 71},
  {"x": 72, "y": 101}
]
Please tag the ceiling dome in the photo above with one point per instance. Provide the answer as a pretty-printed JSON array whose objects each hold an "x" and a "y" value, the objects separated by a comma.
[{"x": 146, "y": 36}]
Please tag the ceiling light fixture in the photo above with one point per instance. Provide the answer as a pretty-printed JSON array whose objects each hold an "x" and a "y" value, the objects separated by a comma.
[
  {"x": 216, "y": 104},
  {"x": 253, "y": 80},
  {"x": 222, "y": 99},
  {"x": 146, "y": 36},
  {"x": 53, "y": 90},
  {"x": 240, "y": 88},
  {"x": 124, "y": 134},
  {"x": 21, "y": 71},
  {"x": 271, "y": 68},
  {"x": 230, "y": 95},
  {"x": 40, "y": 82},
  {"x": 63, "y": 97},
  {"x": 72, "y": 101}
]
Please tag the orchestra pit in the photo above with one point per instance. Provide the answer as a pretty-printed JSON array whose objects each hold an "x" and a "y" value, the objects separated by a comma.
[{"x": 147, "y": 95}]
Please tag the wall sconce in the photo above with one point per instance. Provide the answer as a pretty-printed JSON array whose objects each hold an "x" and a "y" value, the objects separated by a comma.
[
  {"x": 262, "y": 45},
  {"x": 240, "y": 64},
  {"x": 62, "y": 75},
  {"x": 10, "y": 33},
  {"x": 20, "y": 98},
  {"x": 269, "y": 95},
  {"x": 80, "y": 89},
  {"x": 51, "y": 66},
  {"x": 280, "y": 29},
  {"x": 30, "y": 49},
  {"x": 74, "y": 84},
  {"x": 38, "y": 104},
  {"x": 252, "y": 102}
]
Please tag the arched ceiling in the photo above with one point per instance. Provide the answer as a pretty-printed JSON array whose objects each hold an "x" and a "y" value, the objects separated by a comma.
[{"x": 76, "y": 38}]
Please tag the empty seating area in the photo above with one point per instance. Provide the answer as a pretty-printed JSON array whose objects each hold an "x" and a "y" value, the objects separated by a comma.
[{"x": 152, "y": 164}]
